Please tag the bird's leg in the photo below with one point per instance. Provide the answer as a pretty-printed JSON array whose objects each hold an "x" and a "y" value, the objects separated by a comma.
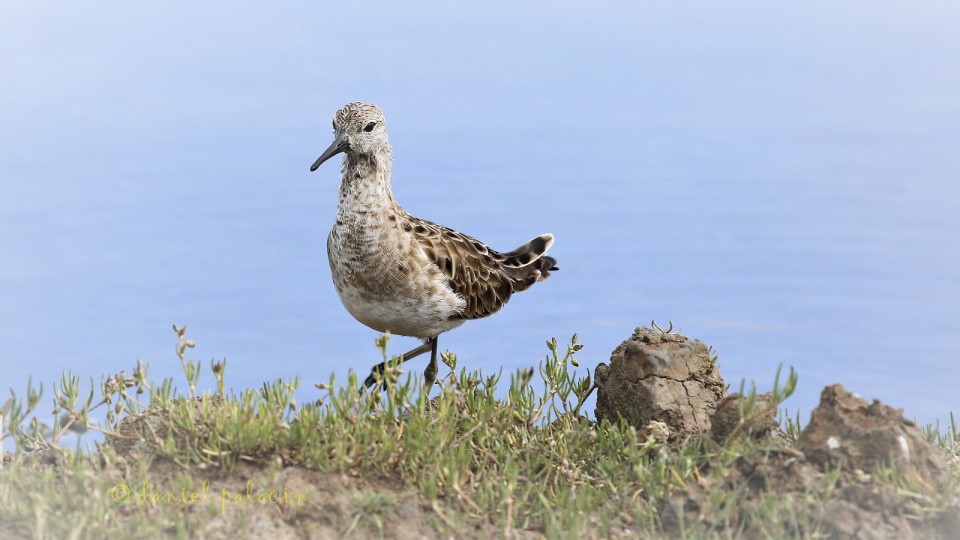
[
  {"x": 378, "y": 369},
  {"x": 430, "y": 374}
]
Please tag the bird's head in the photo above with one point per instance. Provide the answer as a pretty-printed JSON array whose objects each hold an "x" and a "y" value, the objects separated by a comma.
[{"x": 358, "y": 128}]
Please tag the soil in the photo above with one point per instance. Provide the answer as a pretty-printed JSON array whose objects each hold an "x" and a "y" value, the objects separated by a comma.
[
  {"x": 729, "y": 421},
  {"x": 665, "y": 383},
  {"x": 668, "y": 387}
]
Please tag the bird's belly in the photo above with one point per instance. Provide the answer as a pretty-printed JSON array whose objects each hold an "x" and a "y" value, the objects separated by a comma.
[
  {"x": 392, "y": 289},
  {"x": 404, "y": 316}
]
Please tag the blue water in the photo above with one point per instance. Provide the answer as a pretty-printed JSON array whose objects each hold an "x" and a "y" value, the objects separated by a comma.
[{"x": 780, "y": 181}]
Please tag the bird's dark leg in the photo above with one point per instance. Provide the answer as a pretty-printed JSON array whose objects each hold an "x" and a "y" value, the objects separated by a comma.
[
  {"x": 378, "y": 369},
  {"x": 430, "y": 374}
]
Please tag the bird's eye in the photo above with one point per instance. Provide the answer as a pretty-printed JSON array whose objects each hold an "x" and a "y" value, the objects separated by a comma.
[{"x": 369, "y": 127}]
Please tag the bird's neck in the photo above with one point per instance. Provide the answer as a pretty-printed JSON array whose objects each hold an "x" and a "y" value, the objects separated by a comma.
[{"x": 365, "y": 184}]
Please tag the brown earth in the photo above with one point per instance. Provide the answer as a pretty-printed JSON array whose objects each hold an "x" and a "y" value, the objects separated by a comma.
[
  {"x": 666, "y": 383},
  {"x": 656, "y": 376},
  {"x": 668, "y": 387}
]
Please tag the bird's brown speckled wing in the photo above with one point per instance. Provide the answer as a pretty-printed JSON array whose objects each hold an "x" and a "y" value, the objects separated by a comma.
[{"x": 482, "y": 276}]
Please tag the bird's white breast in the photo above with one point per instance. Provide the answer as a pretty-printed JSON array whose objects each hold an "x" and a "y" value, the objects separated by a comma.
[{"x": 386, "y": 282}]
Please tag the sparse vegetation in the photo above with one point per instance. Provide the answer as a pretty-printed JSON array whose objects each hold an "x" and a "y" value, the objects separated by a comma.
[{"x": 394, "y": 464}]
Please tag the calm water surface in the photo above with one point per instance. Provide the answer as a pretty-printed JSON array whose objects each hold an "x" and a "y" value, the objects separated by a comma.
[{"x": 780, "y": 182}]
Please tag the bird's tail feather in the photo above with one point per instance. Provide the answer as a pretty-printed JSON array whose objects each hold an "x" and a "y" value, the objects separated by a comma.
[
  {"x": 529, "y": 252},
  {"x": 529, "y": 262}
]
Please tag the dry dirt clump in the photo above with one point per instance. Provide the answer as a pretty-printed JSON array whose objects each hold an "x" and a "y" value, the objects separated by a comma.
[
  {"x": 881, "y": 476},
  {"x": 729, "y": 494},
  {"x": 858, "y": 469},
  {"x": 866, "y": 440},
  {"x": 656, "y": 376},
  {"x": 848, "y": 431},
  {"x": 733, "y": 418}
]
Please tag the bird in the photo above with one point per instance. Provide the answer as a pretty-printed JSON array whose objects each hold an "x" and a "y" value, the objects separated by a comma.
[{"x": 401, "y": 274}]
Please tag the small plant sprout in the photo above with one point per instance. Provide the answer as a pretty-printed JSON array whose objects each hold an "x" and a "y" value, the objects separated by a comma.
[
  {"x": 190, "y": 369},
  {"x": 780, "y": 394},
  {"x": 747, "y": 405},
  {"x": 17, "y": 413},
  {"x": 449, "y": 359},
  {"x": 714, "y": 357},
  {"x": 655, "y": 326},
  {"x": 560, "y": 384},
  {"x": 72, "y": 409},
  {"x": 218, "y": 369}
]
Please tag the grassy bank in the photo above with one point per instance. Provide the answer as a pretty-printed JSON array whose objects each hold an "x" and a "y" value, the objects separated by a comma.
[{"x": 393, "y": 464}]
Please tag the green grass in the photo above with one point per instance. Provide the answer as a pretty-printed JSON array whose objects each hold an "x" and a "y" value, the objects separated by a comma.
[{"x": 473, "y": 464}]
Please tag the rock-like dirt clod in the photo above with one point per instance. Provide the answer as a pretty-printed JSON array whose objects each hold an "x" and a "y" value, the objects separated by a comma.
[
  {"x": 667, "y": 387},
  {"x": 844, "y": 449},
  {"x": 849, "y": 431},
  {"x": 660, "y": 376},
  {"x": 735, "y": 416}
]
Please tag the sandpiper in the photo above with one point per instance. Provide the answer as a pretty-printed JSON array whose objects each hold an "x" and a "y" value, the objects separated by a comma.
[{"x": 399, "y": 273}]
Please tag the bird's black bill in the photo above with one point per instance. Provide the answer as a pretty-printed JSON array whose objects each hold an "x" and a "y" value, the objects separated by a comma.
[{"x": 338, "y": 145}]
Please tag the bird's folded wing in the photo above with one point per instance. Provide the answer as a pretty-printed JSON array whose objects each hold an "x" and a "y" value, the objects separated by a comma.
[{"x": 476, "y": 272}]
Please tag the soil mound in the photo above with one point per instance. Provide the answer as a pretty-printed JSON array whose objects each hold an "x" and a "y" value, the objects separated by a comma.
[
  {"x": 657, "y": 376},
  {"x": 858, "y": 470}
]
